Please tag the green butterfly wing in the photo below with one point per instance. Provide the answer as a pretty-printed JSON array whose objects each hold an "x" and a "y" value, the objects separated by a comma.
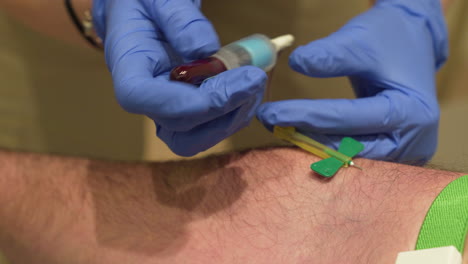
[
  {"x": 327, "y": 167},
  {"x": 350, "y": 147}
]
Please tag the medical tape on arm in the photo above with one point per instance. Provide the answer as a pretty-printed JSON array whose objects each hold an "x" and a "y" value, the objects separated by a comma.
[{"x": 445, "y": 227}]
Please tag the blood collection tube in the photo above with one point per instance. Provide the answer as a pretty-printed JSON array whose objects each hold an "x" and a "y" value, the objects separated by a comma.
[{"x": 257, "y": 50}]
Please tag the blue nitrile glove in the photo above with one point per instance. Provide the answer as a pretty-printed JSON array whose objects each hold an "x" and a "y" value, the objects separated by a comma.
[
  {"x": 391, "y": 54},
  {"x": 144, "y": 40}
]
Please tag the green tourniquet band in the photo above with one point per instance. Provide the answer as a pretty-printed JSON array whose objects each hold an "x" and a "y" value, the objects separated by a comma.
[{"x": 446, "y": 223}]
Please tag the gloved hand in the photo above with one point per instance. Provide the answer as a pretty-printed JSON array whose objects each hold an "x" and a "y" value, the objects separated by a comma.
[
  {"x": 144, "y": 40},
  {"x": 391, "y": 54}
]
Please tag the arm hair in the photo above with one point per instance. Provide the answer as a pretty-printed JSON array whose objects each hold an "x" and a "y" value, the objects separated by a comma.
[{"x": 259, "y": 203}]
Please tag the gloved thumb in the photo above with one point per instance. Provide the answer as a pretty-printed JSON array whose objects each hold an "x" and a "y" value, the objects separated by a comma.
[
  {"x": 340, "y": 54},
  {"x": 189, "y": 32},
  {"x": 99, "y": 20}
]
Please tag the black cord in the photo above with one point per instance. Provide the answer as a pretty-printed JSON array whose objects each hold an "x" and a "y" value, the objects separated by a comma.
[{"x": 79, "y": 26}]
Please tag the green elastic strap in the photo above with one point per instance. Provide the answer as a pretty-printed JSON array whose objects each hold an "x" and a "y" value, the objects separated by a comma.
[{"x": 446, "y": 223}]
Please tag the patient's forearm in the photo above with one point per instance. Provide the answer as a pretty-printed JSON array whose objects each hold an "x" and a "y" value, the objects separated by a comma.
[
  {"x": 44, "y": 201},
  {"x": 48, "y": 17},
  {"x": 262, "y": 206}
]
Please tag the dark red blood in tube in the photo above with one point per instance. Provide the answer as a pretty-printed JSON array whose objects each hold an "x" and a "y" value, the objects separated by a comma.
[{"x": 197, "y": 71}]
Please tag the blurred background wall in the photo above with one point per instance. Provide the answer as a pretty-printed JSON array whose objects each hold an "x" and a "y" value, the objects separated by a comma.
[
  {"x": 453, "y": 94},
  {"x": 57, "y": 98}
]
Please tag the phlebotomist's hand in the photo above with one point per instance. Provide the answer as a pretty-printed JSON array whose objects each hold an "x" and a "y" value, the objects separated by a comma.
[
  {"x": 391, "y": 54},
  {"x": 144, "y": 40}
]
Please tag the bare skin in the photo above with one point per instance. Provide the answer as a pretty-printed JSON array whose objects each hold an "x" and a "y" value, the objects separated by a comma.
[{"x": 262, "y": 206}]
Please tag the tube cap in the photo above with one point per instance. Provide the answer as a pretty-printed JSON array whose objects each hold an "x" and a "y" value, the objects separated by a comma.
[
  {"x": 283, "y": 42},
  {"x": 442, "y": 255}
]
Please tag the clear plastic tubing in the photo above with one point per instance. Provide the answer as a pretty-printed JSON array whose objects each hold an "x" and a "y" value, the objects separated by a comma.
[{"x": 257, "y": 50}]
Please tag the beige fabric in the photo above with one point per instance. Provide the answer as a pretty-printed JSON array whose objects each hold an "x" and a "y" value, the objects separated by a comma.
[
  {"x": 452, "y": 152},
  {"x": 58, "y": 98}
]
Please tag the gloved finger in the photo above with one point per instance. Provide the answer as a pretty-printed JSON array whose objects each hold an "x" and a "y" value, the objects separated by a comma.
[
  {"x": 341, "y": 54},
  {"x": 133, "y": 47},
  {"x": 383, "y": 146},
  {"x": 206, "y": 135},
  {"x": 224, "y": 93},
  {"x": 136, "y": 56},
  {"x": 160, "y": 97},
  {"x": 340, "y": 116},
  {"x": 432, "y": 15},
  {"x": 376, "y": 146},
  {"x": 186, "y": 28},
  {"x": 98, "y": 13}
]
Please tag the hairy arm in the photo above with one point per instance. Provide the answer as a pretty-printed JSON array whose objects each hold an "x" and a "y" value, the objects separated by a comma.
[
  {"x": 262, "y": 206},
  {"x": 48, "y": 17}
]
